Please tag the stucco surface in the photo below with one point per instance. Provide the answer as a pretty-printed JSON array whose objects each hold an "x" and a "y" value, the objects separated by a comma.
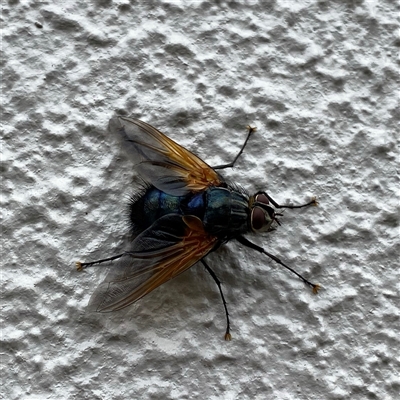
[{"x": 320, "y": 80}]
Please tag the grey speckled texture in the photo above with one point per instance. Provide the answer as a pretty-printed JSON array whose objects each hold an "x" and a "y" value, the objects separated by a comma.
[{"x": 320, "y": 80}]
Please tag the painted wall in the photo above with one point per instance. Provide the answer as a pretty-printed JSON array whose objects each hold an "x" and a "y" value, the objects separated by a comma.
[{"x": 319, "y": 80}]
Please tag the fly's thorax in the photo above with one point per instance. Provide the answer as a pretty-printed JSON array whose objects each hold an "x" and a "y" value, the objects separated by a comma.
[
  {"x": 226, "y": 212},
  {"x": 262, "y": 214}
]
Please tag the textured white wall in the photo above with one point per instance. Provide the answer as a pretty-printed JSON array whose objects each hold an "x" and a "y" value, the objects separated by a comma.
[{"x": 320, "y": 81}]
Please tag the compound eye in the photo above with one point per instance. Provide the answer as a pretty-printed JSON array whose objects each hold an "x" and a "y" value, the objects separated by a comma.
[
  {"x": 257, "y": 218},
  {"x": 262, "y": 198}
]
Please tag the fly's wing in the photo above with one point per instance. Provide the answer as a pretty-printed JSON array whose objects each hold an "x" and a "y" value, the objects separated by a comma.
[
  {"x": 170, "y": 246},
  {"x": 162, "y": 162}
]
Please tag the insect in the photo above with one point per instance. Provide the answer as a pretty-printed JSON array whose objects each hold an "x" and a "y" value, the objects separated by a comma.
[{"x": 186, "y": 211}]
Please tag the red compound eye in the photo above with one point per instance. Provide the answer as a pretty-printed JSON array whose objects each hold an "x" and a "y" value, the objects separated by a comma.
[
  {"x": 257, "y": 218},
  {"x": 262, "y": 198}
]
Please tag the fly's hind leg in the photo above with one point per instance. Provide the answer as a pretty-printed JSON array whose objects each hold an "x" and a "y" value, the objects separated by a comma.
[
  {"x": 218, "y": 282},
  {"x": 80, "y": 265},
  {"x": 231, "y": 164}
]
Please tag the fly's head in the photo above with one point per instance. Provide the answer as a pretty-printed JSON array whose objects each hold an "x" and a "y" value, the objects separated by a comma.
[{"x": 262, "y": 214}]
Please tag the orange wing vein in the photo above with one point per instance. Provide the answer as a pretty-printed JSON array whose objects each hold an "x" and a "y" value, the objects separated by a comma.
[
  {"x": 163, "y": 162},
  {"x": 141, "y": 270}
]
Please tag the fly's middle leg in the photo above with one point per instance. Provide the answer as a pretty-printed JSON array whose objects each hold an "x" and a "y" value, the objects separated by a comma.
[
  {"x": 218, "y": 282},
  {"x": 231, "y": 164}
]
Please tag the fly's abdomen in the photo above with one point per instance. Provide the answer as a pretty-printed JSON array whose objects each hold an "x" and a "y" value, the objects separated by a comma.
[
  {"x": 153, "y": 204},
  {"x": 226, "y": 212}
]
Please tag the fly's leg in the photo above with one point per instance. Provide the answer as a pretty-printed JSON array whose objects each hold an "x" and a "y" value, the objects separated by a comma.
[
  {"x": 230, "y": 165},
  {"x": 247, "y": 243},
  {"x": 80, "y": 266},
  {"x": 218, "y": 282},
  {"x": 312, "y": 202}
]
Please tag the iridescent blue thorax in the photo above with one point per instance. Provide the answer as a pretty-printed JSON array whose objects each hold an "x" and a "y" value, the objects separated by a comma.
[{"x": 224, "y": 211}]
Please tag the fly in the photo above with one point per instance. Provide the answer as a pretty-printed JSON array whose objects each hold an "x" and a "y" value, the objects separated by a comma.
[{"x": 186, "y": 211}]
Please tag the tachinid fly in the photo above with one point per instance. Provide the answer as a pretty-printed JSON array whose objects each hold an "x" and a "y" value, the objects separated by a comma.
[{"x": 186, "y": 211}]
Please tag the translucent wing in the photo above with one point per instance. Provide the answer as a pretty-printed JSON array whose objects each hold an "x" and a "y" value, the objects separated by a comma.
[
  {"x": 162, "y": 162},
  {"x": 164, "y": 250}
]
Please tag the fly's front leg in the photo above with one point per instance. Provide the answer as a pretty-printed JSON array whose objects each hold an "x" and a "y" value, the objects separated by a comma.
[
  {"x": 247, "y": 243},
  {"x": 312, "y": 202},
  {"x": 218, "y": 282},
  {"x": 230, "y": 165}
]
